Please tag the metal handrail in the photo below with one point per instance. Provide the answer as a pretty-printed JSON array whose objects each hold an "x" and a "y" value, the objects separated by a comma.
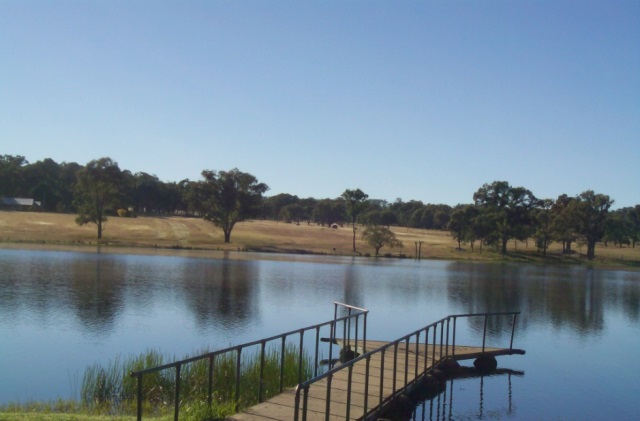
[
  {"x": 353, "y": 313},
  {"x": 347, "y": 326},
  {"x": 302, "y": 390}
]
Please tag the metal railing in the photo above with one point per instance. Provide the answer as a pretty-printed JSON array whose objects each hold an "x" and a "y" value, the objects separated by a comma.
[
  {"x": 352, "y": 318},
  {"x": 346, "y": 326},
  {"x": 420, "y": 337}
]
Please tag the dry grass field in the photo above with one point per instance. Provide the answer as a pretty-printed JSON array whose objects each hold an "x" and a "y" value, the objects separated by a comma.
[{"x": 22, "y": 229}]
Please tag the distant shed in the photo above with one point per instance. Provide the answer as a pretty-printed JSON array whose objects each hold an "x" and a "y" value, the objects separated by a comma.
[{"x": 18, "y": 203}]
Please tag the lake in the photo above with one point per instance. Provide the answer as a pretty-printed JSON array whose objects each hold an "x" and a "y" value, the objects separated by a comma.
[{"x": 62, "y": 311}]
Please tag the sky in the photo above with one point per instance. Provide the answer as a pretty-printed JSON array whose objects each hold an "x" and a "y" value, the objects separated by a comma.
[{"x": 418, "y": 100}]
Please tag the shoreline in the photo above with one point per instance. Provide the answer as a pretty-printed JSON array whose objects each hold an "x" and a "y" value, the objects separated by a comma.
[
  {"x": 271, "y": 240},
  {"x": 246, "y": 254}
]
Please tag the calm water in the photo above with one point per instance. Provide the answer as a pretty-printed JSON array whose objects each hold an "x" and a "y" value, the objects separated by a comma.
[{"x": 63, "y": 311}]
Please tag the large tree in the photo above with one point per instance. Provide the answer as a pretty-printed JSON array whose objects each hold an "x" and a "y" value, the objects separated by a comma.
[
  {"x": 356, "y": 201},
  {"x": 97, "y": 192},
  {"x": 591, "y": 211},
  {"x": 509, "y": 208},
  {"x": 228, "y": 197}
]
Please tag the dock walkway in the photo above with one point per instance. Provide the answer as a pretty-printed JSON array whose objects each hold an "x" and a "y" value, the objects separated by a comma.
[
  {"x": 388, "y": 373},
  {"x": 358, "y": 388}
]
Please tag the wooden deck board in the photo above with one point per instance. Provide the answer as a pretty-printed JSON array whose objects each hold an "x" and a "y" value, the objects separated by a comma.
[{"x": 282, "y": 406}]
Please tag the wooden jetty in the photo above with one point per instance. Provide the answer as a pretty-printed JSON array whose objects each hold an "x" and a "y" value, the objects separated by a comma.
[
  {"x": 362, "y": 395},
  {"x": 362, "y": 387}
]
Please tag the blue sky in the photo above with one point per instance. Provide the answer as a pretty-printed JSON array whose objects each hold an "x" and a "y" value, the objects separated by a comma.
[{"x": 419, "y": 100}]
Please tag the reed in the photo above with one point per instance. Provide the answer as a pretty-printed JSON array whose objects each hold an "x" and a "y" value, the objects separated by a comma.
[{"x": 111, "y": 389}]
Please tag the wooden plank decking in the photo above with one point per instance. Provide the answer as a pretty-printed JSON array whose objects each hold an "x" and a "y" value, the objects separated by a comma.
[{"x": 282, "y": 406}]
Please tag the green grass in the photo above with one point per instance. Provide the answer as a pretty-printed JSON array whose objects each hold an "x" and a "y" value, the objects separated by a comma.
[
  {"x": 109, "y": 392},
  {"x": 30, "y": 416}
]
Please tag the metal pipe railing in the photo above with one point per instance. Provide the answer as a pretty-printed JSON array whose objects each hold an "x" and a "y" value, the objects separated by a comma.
[
  {"x": 353, "y": 313},
  {"x": 444, "y": 352}
]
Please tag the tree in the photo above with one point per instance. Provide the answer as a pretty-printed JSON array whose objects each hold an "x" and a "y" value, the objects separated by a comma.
[
  {"x": 378, "y": 237},
  {"x": 42, "y": 182},
  {"x": 591, "y": 215},
  {"x": 146, "y": 193},
  {"x": 634, "y": 220},
  {"x": 228, "y": 197},
  {"x": 543, "y": 231},
  {"x": 97, "y": 192},
  {"x": 371, "y": 217},
  {"x": 329, "y": 211},
  {"x": 275, "y": 204},
  {"x": 461, "y": 224},
  {"x": 11, "y": 175},
  {"x": 405, "y": 210},
  {"x": 563, "y": 224},
  {"x": 356, "y": 201},
  {"x": 509, "y": 208},
  {"x": 618, "y": 228},
  {"x": 292, "y": 213},
  {"x": 388, "y": 218}
]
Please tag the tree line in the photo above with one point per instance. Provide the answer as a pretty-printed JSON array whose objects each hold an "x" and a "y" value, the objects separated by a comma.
[{"x": 499, "y": 212}]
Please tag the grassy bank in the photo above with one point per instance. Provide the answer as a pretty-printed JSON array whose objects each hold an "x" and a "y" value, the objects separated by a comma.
[
  {"x": 109, "y": 392},
  {"x": 22, "y": 229}
]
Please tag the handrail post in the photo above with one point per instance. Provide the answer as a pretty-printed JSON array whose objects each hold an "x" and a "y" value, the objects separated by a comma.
[
  {"x": 484, "y": 332},
  {"x": 210, "y": 388},
  {"x": 513, "y": 330},
  {"x": 328, "y": 403},
  {"x": 435, "y": 333},
  {"x": 261, "y": 381},
  {"x": 348, "y": 324},
  {"x": 335, "y": 318},
  {"x": 305, "y": 403},
  {"x": 315, "y": 361},
  {"x": 238, "y": 366},
  {"x": 453, "y": 339},
  {"x": 344, "y": 332},
  {"x": 441, "y": 337},
  {"x": 426, "y": 348},
  {"x": 356, "y": 343},
  {"x": 139, "y": 398},
  {"x": 282, "y": 354},
  {"x": 300, "y": 355},
  {"x": 364, "y": 333},
  {"x": 176, "y": 408},
  {"x": 448, "y": 323},
  {"x": 296, "y": 404},
  {"x": 366, "y": 385},
  {"x": 406, "y": 362},
  {"x": 415, "y": 373},
  {"x": 332, "y": 326},
  {"x": 349, "y": 379},
  {"x": 395, "y": 368},
  {"x": 383, "y": 352}
]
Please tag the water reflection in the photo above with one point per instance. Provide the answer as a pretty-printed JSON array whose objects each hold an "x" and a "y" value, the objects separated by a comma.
[
  {"x": 489, "y": 397},
  {"x": 96, "y": 289},
  {"x": 573, "y": 298},
  {"x": 221, "y": 292}
]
